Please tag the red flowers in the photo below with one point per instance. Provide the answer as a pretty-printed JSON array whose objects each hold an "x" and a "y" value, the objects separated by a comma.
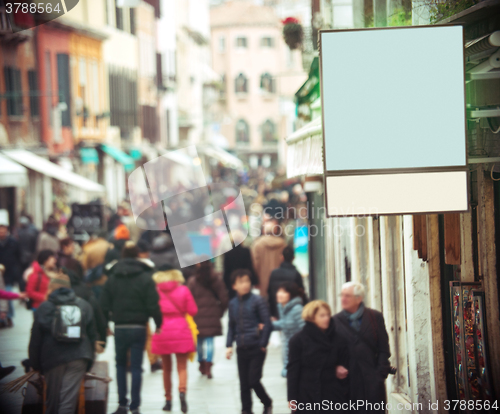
[{"x": 290, "y": 20}]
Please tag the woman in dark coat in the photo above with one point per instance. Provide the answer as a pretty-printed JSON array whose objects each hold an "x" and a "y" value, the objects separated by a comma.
[
  {"x": 211, "y": 297},
  {"x": 317, "y": 377}
]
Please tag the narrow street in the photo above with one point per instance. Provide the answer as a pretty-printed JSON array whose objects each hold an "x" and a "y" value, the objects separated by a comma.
[{"x": 217, "y": 396}]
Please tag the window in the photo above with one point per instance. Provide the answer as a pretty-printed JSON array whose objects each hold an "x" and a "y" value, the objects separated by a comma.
[
  {"x": 34, "y": 100},
  {"x": 267, "y": 83},
  {"x": 241, "y": 42},
  {"x": 149, "y": 123},
  {"x": 132, "y": 21},
  {"x": 222, "y": 44},
  {"x": 222, "y": 91},
  {"x": 168, "y": 134},
  {"x": 159, "y": 71},
  {"x": 267, "y": 42},
  {"x": 64, "y": 86},
  {"x": 96, "y": 107},
  {"x": 269, "y": 132},
  {"x": 12, "y": 78},
  {"x": 119, "y": 17},
  {"x": 242, "y": 132},
  {"x": 241, "y": 84},
  {"x": 123, "y": 100}
]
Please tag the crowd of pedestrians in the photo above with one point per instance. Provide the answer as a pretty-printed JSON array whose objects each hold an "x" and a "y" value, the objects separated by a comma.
[{"x": 76, "y": 291}]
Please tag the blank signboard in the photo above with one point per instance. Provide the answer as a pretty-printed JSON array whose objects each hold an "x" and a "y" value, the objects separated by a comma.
[{"x": 394, "y": 100}]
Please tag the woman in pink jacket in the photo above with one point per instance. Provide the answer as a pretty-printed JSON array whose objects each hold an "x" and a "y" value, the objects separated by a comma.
[{"x": 175, "y": 336}]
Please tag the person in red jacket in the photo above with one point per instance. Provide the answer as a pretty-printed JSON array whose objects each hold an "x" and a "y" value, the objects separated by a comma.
[
  {"x": 38, "y": 281},
  {"x": 175, "y": 336}
]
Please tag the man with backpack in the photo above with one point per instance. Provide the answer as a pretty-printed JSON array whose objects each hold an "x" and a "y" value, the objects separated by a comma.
[
  {"x": 129, "y": 298},
  {"x": 62, "y": 345}
]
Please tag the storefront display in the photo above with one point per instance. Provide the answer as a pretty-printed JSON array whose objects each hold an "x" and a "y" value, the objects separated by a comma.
[{"x": 470, "y": 344}]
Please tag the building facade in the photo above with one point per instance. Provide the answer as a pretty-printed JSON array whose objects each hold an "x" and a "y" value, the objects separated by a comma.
[
  {"x": 259, "y": 76},
  {"x": 423, "y": 272}
]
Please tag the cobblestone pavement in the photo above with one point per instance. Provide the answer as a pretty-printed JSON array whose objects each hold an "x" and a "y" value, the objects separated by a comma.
[{"x": 219, "y": 395}]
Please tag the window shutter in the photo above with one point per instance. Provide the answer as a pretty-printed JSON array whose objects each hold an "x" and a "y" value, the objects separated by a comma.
[{"x": 64, "y": 87}]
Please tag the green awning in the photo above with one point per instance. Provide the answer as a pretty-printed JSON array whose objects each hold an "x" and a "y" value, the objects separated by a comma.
[
  {"x": 89, "y": 156},
  {"x": 127, "y": 161},
  {"x": 310, "y": 90}
]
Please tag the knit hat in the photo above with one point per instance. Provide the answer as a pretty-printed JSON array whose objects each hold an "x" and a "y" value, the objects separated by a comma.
[{"x": 122, "y": 232}]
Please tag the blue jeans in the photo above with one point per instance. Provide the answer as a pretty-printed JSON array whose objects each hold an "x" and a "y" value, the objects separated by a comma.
[
  {"x": 209, "y": 341},
  {"x": 133, "y": 339}
]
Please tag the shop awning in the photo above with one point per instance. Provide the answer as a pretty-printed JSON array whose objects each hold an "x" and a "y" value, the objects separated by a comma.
[
  {"x": 89, "y": 156},
  {"x": 126, "y": 160},
  {"x": 45, "y": 167},
  {"x": 305, "y": 150},
  {"x": 224, "y": 157},
  {"x": 12, "y": 174}
]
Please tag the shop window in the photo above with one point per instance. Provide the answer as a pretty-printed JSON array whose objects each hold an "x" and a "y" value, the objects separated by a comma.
[
  {"x": 267, "y": 83},
  {"x": 242, "y": 132},
  {"x": 241, "y": 84}
]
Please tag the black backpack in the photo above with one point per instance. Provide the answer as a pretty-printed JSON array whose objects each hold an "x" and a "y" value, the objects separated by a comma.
[{"x": 67, "y": 325}]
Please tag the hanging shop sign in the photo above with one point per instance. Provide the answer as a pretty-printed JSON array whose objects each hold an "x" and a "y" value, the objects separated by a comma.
[{"x": 394, "y": 120}]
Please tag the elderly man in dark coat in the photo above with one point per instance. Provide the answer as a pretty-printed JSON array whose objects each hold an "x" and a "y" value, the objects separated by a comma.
[{"x": 364, "y": 329}]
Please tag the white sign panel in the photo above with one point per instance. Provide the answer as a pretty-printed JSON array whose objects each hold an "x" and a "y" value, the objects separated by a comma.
[{"x": 393, "y": 105}]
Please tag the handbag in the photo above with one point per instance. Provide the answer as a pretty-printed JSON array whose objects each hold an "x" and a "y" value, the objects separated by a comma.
[{"x": 192, "y": 327}]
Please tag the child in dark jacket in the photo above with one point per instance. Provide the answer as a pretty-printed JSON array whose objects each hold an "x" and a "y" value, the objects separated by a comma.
[{"x": 246, "y": 312}]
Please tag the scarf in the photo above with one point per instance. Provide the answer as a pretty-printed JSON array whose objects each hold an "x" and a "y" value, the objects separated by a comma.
[
  {"x": 355, "y": 318},
  {"x": 323, "y": 339}
]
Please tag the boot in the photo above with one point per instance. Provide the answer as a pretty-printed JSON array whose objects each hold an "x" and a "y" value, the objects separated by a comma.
[
  {"x": 202, "y": 367},
  {"x": 208, "y": 368},
  {"x": 168, "y": 406},
  {"x": 184, "y": 407},
  {"x": 268, "y": 410},
  {"x": 156, "y": 366},
  {"x": 121, "y": 410}
]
